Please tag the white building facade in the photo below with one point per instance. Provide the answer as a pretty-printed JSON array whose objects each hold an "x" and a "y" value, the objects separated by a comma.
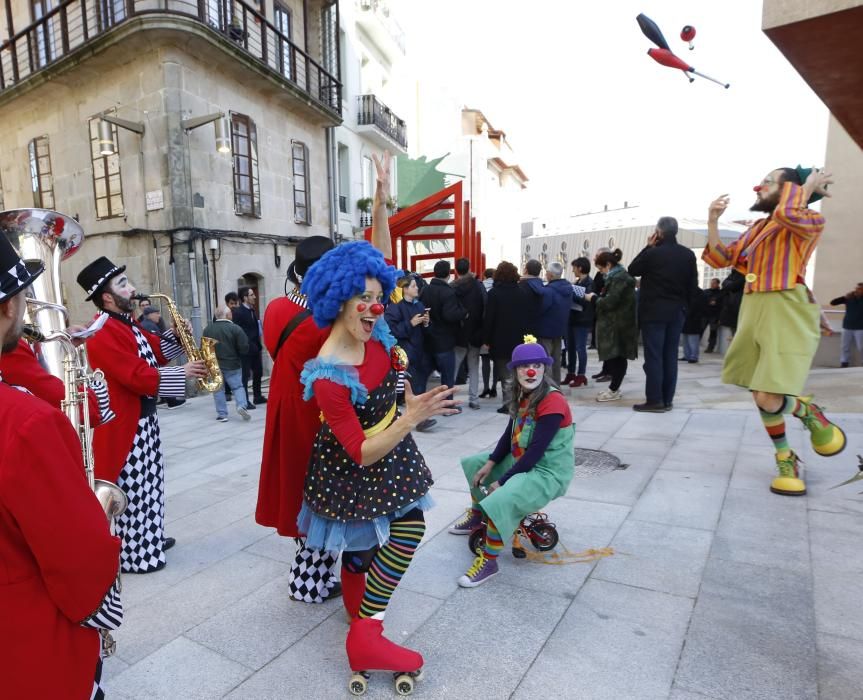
[{"x": 372, "y": 55}]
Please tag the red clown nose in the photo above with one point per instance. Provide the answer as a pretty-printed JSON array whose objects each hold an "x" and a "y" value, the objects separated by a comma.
[
  {"x": 377, "y": 309},
  {"x": 757, "y": 188},
  {"x": 531, "y": 373}
]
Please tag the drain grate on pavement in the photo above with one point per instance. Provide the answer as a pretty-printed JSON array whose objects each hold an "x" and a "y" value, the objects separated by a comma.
[{"x": 590, "y": 463}]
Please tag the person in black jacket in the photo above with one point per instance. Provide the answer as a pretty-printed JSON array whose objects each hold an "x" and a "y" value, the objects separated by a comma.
[
  {"x": 246, "y": 318},
  {"x": 711, "y": 314},
  {"x": 732, "y": 294},
  {"x": 852, "y": 324},
  {"x": 693, "y": 326},
  {"x": 408, "y": 320},
  {"x": 445, "y": 314},
  {"x": 507, "y": 320},
  {"x": 669, "y": 278},
  {"x": 470, "y": 293}
]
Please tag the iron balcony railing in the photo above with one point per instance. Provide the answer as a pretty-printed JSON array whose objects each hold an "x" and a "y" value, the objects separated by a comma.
[
  {"x": 74, "y": 23},
  {"x": 374, "y": 112}
]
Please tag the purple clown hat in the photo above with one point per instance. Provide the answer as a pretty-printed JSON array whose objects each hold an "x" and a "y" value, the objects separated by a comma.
[{"x": 529, "y": 352}]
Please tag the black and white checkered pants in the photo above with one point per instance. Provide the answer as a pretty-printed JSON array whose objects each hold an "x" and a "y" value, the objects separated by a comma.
[
  {"x": 141, "y": 527},
  {"x": 312, "y": 574}
]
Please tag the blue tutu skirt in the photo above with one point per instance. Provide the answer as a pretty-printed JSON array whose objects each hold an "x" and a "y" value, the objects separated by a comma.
[{"x": 352, "y": 535}]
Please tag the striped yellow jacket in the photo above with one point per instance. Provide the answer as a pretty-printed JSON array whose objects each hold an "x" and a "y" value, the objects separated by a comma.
[{"x": 773, "y": 252}]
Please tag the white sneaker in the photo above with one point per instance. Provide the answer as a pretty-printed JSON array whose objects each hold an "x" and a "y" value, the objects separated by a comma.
[
  {"x": 244, "y": 413},
  {"x": 609, "y": 395}
]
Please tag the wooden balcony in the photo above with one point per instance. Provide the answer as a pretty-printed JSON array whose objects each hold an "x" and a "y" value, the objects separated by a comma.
[{"x": 71, "y": 27}]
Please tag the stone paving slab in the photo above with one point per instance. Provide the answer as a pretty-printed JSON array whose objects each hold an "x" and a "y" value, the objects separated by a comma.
[
  {"x": 840, "y": 673},
  {"x": 615, "y": 641},
  {"x": 685, "y": 499},
  {"x": 180, "y": 669},
  {"x": 752, "y": 635},
  {"x": 718, "y": 589},
  {"x": 659, "y": 557}
]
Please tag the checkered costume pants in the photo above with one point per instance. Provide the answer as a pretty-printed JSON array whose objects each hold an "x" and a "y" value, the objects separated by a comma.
[
  {"x": 312, "y": 574},
  {"x": 141, "y": 527}
]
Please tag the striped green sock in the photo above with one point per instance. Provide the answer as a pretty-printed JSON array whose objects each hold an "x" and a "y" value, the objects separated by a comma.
[
  {"x": 775, "y": 426},
  {"x": 493, "y": 544}
]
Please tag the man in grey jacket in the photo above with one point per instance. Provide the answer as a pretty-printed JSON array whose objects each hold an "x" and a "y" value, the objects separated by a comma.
[{"x": 232, "y": 345}]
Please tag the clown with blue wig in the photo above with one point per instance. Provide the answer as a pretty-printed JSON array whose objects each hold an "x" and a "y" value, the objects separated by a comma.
[{"x": 367, "y": 483}]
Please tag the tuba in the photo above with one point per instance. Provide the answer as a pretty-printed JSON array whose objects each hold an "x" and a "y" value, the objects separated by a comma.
[
  {"x": 51, "y": 237},
  {"x": 206, "y": 353}
]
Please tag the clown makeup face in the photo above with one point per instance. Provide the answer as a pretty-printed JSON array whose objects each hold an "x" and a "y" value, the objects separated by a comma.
[
  {"x": 121, "y": 291},
  {"x": 360, "y": 313},
  {"x": 530, "y": 376},
  {"x": 767, "y": 193}
]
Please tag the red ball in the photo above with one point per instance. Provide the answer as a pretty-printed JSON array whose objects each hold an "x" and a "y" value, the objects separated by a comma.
[
  {"x": 687, "y": 33},
  {"x": 531, "y": 373},
  {"x": 377, "y": 309}
]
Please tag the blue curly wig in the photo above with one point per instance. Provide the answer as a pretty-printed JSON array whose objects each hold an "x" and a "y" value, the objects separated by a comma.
[{"x": 341, "y": 274}]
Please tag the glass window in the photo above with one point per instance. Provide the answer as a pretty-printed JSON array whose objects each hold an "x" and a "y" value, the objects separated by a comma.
[
  {"x": 41, "y": 179},
  {"x": 300, "y": 158},
  {"x": 247, "y": 186},
  {"x": 107, "y": 185}
]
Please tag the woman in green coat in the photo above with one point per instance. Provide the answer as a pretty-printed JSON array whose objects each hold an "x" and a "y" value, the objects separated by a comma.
[
  {"x": 532, "y": 464},
  {"x": 616, "y": 325}
]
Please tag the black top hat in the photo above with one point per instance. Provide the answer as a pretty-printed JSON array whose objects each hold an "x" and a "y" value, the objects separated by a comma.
[
  {"x": 308, "y": 252},
  {"x": 15, "y": 274},
  {"x": 97, "y": 274}
]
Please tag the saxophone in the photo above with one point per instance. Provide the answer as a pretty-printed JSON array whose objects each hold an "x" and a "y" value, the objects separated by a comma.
[{"x": 206, "y": 353}]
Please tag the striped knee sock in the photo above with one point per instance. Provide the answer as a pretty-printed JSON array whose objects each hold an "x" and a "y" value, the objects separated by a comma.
[
  {"x": 775, "y": 426},
  {"x": 493, "y": 544},
  {"x": 390, "y": 564}
]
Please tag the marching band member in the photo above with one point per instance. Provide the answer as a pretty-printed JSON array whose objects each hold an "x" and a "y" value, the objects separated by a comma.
[
  {"x": 59, "y": 560},
  {"x": 128, "y": 451}
]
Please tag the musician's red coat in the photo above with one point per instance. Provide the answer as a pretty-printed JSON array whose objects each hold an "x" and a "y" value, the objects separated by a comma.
[
  {"x": 21, "y": 368},
  {"x": 291, "y": 422},
  {"x": 114, "y": 350},
  {"x": 57, "y": 557}
]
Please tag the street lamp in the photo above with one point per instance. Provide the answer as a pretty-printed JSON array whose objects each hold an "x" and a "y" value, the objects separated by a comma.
[
  {"x": 107, "y": 147},
  {"x": 220, "y": 124}
]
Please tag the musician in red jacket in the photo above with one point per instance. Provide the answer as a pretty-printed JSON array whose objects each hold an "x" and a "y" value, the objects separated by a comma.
[
  {"x": 128, "y": 450},
  {"x": 58, "y": 560},
  {"x": 293, "y": 423}
]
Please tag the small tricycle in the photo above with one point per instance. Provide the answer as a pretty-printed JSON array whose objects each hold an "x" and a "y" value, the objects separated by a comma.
[{"x": 535, "y": 528}]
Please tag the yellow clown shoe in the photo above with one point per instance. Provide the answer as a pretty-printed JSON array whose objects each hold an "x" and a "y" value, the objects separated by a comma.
[
  {"x": 788, "y": 483},
  {"x": 827, "y": 438}
]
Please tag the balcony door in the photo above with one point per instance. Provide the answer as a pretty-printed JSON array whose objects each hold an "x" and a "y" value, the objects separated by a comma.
[
  {"x": 283, "y": 21},
  {"x": 111, "y": 12},
  {"x": 45, "y": 48}
]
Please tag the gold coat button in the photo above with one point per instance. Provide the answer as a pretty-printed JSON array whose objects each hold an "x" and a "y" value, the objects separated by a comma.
[{"x": 751, "y": 277}]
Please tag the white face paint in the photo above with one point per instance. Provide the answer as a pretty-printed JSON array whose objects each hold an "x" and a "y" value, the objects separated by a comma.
[{"x": 530, "y": 376}]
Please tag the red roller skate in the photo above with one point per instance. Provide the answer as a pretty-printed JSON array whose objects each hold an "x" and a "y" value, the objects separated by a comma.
[{"x": 368, "y": 650}]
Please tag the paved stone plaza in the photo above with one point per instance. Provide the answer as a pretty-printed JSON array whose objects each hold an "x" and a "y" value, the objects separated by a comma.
[{"x": 717, "y": 588}]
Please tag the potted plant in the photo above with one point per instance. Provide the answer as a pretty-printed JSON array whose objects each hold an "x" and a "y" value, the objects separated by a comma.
[{"x": 365, "y": 204}]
